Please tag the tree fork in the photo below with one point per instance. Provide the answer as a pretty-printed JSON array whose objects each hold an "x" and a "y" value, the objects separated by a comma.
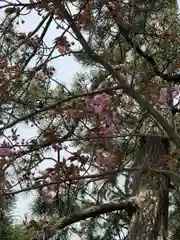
[{"x": 150, "y": 222}]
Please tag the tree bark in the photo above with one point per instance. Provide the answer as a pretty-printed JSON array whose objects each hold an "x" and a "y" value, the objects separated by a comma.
[{"x": 150, "y": 222}]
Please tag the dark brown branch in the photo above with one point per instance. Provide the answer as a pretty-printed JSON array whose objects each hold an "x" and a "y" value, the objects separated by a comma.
[
  {"x": 37, "y": 147},
  {"x": 97, "y": 177},
  {"x": 130, "y": 205},
  {"x": 40, "y": 40},
  {"x": 67, "y": 179},
  {"x": 20, "y": 5},
  {"x": 39, "y": 26}
]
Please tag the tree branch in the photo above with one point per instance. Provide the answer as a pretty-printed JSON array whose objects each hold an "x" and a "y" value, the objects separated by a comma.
[
  {"x": 134, "y": 44},
  {"x": 53, "y": 105},
  {"x": 122, "y": 84},
  {"x": 130, "y": 205},
  {"x": 97, "y": 177},
  {"x": 37, "y": 147}
]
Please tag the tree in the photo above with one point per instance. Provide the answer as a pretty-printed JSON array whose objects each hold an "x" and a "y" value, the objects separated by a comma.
[
  {"x": 9, "y": 231},
  {"x": 121, "y": 117}
]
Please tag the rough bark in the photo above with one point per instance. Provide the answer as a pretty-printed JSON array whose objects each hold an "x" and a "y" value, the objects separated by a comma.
[{"x": 150, "y": 222}]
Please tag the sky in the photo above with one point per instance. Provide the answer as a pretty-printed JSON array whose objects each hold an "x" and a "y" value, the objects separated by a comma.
[{"x": 66, "y": 67}]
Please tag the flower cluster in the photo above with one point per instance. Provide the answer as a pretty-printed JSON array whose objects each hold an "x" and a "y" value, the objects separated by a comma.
[
  {"x": 99, "y": 104},
  {"x": 99, "y": 107},
  {"x": 47, "y": 193},
  {"x": 6, "y": 150},
  {"x": 62, "y": 45}
]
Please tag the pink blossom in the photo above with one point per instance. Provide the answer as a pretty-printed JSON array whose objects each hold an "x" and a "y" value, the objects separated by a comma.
[
  {"x": 45, "y": 189},
  {"x": 102, "y": 134},
  {"x": 177, "y": 91},
  {"x": 46, "y": 193},
  {"x": 107, "y": 131},
  {"x": 98, "y": 103},
  {"x": 6, "y": 152},
  {"x": 61, "y": 49},
  {"x": 106, "y": 99},
  {"x": 20, "y": 178},
  {"x": 98, "y": 109},
  {"x": 110, "y": 131},
  {"x": 101, "y": 99},
  {"x": 56, "y": 147},
  {"x": 53, "y": 187},
  {"x": 98, "y": 99}
]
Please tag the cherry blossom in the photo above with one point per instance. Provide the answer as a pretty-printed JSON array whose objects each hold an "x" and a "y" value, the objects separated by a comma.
[
  {"x": 46, "y": 193},
  {"x": 56, "y": 147},
  {"x": 107, "y": 131},
  {"x": 61, "y": 49},
  {"x": 98, "y": 104},
  {"x": 20, "y": 177},
  {"x": 177, "y": 91},
  {"x": 6, "y": 152}
]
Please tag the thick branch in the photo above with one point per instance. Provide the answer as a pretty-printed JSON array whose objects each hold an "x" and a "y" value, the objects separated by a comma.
[{"x": 130, "y": 205}]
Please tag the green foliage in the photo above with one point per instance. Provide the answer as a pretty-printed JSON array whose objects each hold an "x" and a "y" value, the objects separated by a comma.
[
  {"x": 9, "y": 231},
  {"x": 17, "y": 232}
]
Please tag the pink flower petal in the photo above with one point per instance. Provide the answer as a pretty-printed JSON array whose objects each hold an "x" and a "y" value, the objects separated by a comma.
[
  {"x": 98, "y": 109},
  {"x": 5, "y": 152},
  {"x": 98, "y": 99}
]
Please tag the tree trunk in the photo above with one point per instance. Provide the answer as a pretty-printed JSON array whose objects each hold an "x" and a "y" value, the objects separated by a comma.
[{"x": 150, "y": 222}]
